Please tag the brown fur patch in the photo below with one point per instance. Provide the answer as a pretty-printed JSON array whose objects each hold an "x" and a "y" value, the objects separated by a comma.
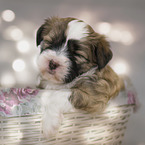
[
  {"x": 52, "y": 30},
  {"x": 92, "y": 94}
]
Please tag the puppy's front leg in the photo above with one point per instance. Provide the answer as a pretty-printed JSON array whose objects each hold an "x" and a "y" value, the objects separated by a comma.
[{"x": 55, "y": 103}]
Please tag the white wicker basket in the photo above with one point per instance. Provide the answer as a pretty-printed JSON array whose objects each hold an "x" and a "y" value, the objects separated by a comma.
[{"x": 77, "y": 129}]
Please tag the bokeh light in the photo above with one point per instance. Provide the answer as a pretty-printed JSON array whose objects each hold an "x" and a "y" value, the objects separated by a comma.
[
  {"x": 23, "y": 46},
  {"x": 104, "y": 27},
  {"x": 16, "y": 34},
  {"x": 127, "y": 38},
  {"x": 115, "y": 35},
  {"x": 13, "y": 33},
  {"x": 120, "y": 67},
  {"x": 7, "y": 79},
  {"x": 8, "y": 15},
  {"x": 18, "y": 65}
]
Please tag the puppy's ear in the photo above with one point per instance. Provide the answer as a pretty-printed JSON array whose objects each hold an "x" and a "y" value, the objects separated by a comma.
[
  {"x": 102, "y": 52},
  {"x": 39, "y": 37}
]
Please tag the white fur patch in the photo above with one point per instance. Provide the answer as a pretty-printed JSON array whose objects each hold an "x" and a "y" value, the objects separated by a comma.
[
  {"x": 59, "y": 57},
  {"x": 55, "y": 103},
  {"x": 76, "y": 30}
]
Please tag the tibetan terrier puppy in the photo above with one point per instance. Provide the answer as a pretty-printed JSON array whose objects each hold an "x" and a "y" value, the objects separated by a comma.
[{"x": 73, "y": 67}]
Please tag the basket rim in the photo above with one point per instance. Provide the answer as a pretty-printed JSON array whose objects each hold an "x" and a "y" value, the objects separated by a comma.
[{"x": 75, "y": 112}]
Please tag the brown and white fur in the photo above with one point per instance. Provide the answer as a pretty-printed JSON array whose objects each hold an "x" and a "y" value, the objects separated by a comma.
[{"x": 73, "y": 66}]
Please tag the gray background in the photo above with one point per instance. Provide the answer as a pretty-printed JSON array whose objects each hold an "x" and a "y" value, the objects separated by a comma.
[{"x": 123, "y": 14}]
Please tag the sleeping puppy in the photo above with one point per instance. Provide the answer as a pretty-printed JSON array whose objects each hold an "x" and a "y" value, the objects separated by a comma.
[{"x": 73, "y": 66}]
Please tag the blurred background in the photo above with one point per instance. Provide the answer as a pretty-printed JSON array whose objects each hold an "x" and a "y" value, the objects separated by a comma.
[{"x": 121, "y": 21}]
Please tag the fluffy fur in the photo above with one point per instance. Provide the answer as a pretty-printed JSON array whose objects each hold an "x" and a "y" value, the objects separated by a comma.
[
  {"x": 80, "y": 57},
  {"x": 54, "y": 103}
]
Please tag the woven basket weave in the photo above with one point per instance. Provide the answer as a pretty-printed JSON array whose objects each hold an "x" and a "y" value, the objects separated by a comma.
[{"x": 77, "y": 129}]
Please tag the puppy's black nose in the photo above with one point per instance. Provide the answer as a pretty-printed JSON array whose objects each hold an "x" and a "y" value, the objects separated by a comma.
[{"x": 53, "y": 65}]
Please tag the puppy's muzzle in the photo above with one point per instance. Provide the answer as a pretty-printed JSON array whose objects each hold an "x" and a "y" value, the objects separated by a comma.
[{"x": 53, "y": 65}]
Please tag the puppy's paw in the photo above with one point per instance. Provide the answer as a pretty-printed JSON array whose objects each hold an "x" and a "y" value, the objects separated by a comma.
[
  {"x": 51, "y": 126},
  {"x": 50, "y": 131}
]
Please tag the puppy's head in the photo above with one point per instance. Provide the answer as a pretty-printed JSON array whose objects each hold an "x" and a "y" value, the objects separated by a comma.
[{"x": 69, "y": 47}]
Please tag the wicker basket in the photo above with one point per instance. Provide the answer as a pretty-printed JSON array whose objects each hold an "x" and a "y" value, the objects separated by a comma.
[{"x": 77, "y": 129}]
